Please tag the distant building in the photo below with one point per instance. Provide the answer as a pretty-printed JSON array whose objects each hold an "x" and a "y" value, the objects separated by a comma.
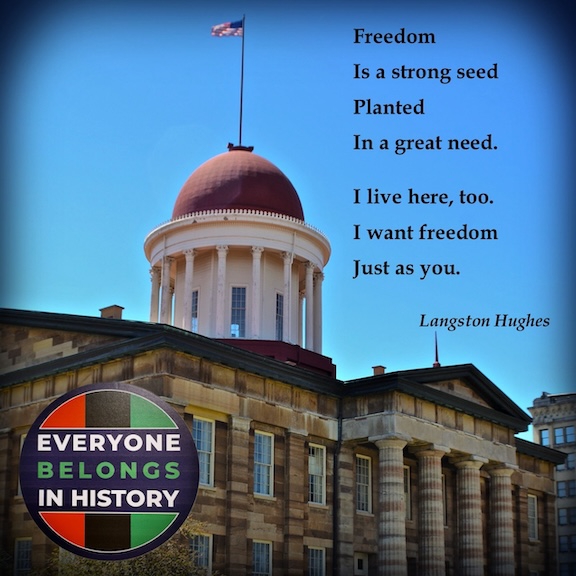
[
  {"x": 411, "y": 472},
  {"x": 554, "y": 425}
]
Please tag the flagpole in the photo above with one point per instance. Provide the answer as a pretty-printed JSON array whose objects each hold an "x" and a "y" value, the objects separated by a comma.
[{"x": 242, "y": 79}]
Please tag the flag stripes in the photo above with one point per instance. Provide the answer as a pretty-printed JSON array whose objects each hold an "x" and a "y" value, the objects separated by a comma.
[{"x": 228, "y": 29}]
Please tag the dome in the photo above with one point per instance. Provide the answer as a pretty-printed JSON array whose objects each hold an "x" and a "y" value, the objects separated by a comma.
[{"x": 238, "y": 179}]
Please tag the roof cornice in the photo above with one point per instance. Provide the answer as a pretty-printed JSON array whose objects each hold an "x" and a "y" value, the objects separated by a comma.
[
  {"x": 416, "y": 382},
  {"x": 539, "y": 451},
  {"x": 140, "y": 337},
  {"x": 76, "y": 323}
]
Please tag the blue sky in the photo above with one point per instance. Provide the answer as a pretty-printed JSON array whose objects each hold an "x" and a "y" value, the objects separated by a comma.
[{"x": 109, "y": 106}]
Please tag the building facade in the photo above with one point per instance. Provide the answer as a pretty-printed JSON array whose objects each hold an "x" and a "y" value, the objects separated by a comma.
[
  {"x": 412, "y": 472},
  {"x": 554, "y": 425}
]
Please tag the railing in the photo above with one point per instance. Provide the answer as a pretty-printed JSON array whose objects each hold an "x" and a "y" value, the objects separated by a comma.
[{"x": 236, "y": 212}]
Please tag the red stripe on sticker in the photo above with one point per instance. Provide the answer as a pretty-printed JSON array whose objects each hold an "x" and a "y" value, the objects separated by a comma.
[
  {"x": 71, "y": 414},
  {"x": 68, "y": 525}
]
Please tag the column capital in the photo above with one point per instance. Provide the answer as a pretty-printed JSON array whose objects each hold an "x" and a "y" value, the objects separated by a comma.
[
  {"x": 257, "y": 250},
  {"x": 287, "y": 257},
  {"x": 310, "y": 266},
  {"x": 222, "y": 249},
  {"x": 431, "y": 449},
  {"x": 501, "y": 469},
  {"x": 470, "y": 461},
  {"x": 390, "y": 440},
  {"x": 190, "y": 254}
]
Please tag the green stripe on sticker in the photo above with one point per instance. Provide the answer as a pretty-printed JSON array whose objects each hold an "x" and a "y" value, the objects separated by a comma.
[
  {"x": 146, "y": 527},
  {"x": 145, "y": 414}
]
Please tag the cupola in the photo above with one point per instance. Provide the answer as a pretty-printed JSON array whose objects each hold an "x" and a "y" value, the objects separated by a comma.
[{"x": 237, "y": 262}]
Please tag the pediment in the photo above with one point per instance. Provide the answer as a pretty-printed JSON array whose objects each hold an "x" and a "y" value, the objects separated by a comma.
[
  {"x": 461, "y": 389},
  {"x": 468, "y": 387}
]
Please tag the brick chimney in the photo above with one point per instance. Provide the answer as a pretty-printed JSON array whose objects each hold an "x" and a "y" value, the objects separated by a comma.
[
  {"x": 113, "y": 311},
  {"x": 379, "y": 370}
]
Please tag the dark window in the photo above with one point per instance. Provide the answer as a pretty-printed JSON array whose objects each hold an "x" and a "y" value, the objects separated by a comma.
[{"x": 238, "y": 313}]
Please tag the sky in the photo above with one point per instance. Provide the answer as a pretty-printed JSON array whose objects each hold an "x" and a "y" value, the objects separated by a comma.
[{"x": 108, "y": 107}]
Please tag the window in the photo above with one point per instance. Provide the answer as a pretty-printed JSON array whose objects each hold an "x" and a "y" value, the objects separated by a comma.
[
  {"x": 194, "y": 323},
  {"x": 566, "y": 488},
  {"x": 360, "y": 564},
  {"x": 22, "y": 556},
  {"x": 363, "y": 484},
  {"x": 238, "y": 312},
  {"x": 567, "y": 568},
  {"x": 567, "y": 543},
  {"x": 569, "y": 463},
  {"x": 316, "y": 474},
  {"x": 203, "y": 434},
  {"x": 201, "y": 548},
  {"x": 563, "y": 435},
  {"x": 566, "y": 516},
  {"x": 545, "y": 437},
  {"x": 407, "y": 499},
  {"x": 316, "y": 563},
  {"x": 532, "y": 517},
  {"x": 263, "y": 463},
  {"x": 261, "y": 558},
  {"x": 279, "y": 316}
]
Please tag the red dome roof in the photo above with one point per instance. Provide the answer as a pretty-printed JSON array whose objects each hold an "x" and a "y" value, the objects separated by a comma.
[{"x": 238, "y": 179}]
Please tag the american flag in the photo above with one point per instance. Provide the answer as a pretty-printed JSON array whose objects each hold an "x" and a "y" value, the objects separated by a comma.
[{"x": 228, "y": 29}]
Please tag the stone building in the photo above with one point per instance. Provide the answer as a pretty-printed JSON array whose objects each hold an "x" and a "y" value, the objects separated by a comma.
[
  {"x": 411, "y": 472},
  {"x": 554, "y": 424}
]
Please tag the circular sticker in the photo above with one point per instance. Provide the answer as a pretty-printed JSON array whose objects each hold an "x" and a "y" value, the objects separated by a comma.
[{"x": 109, "y": 471}]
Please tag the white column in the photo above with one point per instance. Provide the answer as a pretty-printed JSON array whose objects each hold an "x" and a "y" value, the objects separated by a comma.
[
  {"x": 165, "y": 306},
  {"x": 392, "y": 514},
  {"x": 318, "y": 279},
  {"x": 188, "y": 279},
  {"x": 301, "y": 295},
  {"x": 155, "y": 274},
  {"x": 309, "y": 306},
  {"x": 287, "y": 316},
  {"x": 221, "y": 291},
  {"x": 171, "y": 299},
  {"x": 256, "y": 327}
]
